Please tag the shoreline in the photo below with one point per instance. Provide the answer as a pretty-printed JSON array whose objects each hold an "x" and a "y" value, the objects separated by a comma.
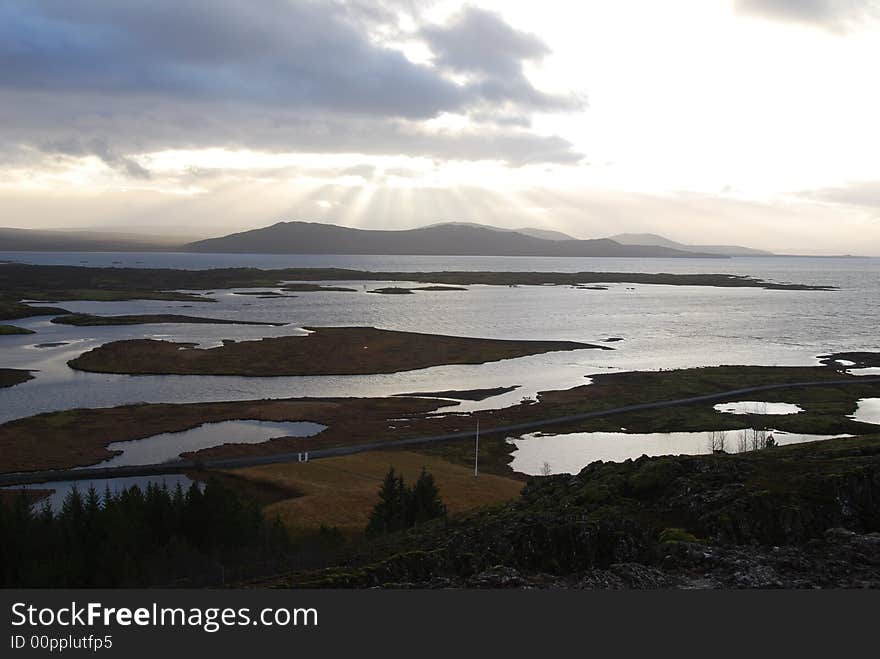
[{"x": 79, "y": 437}]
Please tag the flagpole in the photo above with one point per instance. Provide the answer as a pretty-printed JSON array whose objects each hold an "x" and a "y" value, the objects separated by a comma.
[{"x": 477, "y": 450}]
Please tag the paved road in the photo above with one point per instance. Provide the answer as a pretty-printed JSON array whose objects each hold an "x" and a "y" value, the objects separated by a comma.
[{"x": 180, "y": 466}]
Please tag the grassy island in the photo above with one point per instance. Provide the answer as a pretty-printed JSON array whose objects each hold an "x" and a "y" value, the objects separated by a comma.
[
  {"x": 327, "y": 351},
  {"x": 9, "y": 377}
]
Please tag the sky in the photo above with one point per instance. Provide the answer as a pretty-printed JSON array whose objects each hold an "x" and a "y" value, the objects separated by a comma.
[{"x": 749, "y": 122}]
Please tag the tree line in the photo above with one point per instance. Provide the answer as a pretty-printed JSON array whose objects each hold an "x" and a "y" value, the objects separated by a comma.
[{"x": 136, "y": 537}]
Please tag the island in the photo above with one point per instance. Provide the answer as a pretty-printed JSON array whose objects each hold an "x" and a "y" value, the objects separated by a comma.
[
  {"x": 9, "y": 377},
  {"x": 401, "y": 290},
  {"x": 302, "y": 287},
  {"x": 325, "y": 351},
  {"x": 9, "y": 330},
  {"x": 456, "y": 394},
  {"x": 88, "y": 320}
]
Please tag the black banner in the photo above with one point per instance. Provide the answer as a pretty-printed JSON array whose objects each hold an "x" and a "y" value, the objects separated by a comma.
[{"x": 229, "y": 623}]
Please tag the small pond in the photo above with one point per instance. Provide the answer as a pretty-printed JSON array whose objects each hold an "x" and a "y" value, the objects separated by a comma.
[
  {"x": 868, "y": 411},
  {"x": 871, "y": 370},
  {"x": 538, "y": 454},
  {"x": 757, "y": 407},
  {"x": 168, "y": 446}
]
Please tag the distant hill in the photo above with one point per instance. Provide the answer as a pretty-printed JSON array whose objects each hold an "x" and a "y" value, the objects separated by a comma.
[
  {"x": 453, "y": 239},
  {"x": 660, "y": 241},
  {"x": 33, "y": 240},
  {"x": 544, "y": 234}
]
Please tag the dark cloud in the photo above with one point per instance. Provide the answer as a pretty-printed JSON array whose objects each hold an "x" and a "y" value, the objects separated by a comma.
[
  {"x": 481, "y": 44},
  {"x": 836, "y": 15},
  {"x": 480, "y": 40},
  {"x": 268, "y": 53},
  {"x": 138, "y": 128},
  {"x": 99, "y": 148},
  {"x": 279, "y": 75}
]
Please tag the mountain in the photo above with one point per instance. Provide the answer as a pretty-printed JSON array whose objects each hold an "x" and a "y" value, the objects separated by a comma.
[
  {"x": 33, "y": 240},
  {"x": 660, "y": 241},
  {"x": 544, "y": 234},
  {"x": 455, "y": 239}
]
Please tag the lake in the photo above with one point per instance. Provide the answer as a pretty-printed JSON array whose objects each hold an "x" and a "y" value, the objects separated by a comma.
[{"x": 661, "y": 326}]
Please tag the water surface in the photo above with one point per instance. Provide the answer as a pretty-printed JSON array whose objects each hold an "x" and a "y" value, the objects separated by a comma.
[
  {"x": 60, "y": 489},
  {"x": 662, "y": 326},
  {"x": 538, "y": 454},
  {"x": 758, "y": 407},
  {"x": 868, "y": 411},
  {"x": 170, "y": 445}
]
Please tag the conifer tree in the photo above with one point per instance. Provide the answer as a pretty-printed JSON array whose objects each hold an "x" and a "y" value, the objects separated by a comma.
[
  {"x": 389, "y": 513},
  {"x": 425, "y": 503}
]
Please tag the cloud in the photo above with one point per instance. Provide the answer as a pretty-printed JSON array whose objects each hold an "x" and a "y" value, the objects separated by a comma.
[
  {"x": 135, "y": 128},
  {"x": 865, "y": 194},
  {"x": 278, "y": 75},
  {"x": 100, "y": 149},
  {"x": 481, "y": 44},
  {"x": 272, "y": 53},
  {"x": 364, "y": 171},
  {"x": 834, "y": 15}
]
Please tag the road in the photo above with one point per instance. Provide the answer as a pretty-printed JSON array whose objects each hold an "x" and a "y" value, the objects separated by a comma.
[{"x": 181, "y": 466}]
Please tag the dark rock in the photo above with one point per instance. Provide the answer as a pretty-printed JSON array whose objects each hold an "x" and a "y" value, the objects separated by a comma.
[
  {"x": 791, "y": 517},
  {"x": 498, "y": 576}
]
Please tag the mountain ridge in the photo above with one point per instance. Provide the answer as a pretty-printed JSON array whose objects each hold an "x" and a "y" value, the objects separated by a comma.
[
  {"x": 534, "y": 232},
  {"x": 662, "y": 241},
  {"x": 450, "y": 239},
  {"x": 455, "y": 238}
]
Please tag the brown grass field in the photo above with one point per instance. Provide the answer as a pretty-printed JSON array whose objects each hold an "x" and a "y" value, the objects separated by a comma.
[{"x": 342, "y": 491}]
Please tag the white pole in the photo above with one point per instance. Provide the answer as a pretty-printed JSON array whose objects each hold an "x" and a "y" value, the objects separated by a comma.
[{"x": 477, "y": 450}]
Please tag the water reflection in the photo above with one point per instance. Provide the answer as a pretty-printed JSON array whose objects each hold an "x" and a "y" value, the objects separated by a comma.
[
  {"x": 60, "y": 489},
  {"x": 538, "y": 454},
  {"x": 170, "y": 445},
  {"x": 867, "y": 411},
  {"x": 758, "y": 407}
]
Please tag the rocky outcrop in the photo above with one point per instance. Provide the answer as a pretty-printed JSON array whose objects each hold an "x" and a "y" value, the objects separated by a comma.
[{"x": 798, "y": 516}]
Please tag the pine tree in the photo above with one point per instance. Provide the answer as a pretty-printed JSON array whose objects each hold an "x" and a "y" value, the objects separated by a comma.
[
  {"x": 425, "y": 502},
  {"x": 389, "y": 513}
]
